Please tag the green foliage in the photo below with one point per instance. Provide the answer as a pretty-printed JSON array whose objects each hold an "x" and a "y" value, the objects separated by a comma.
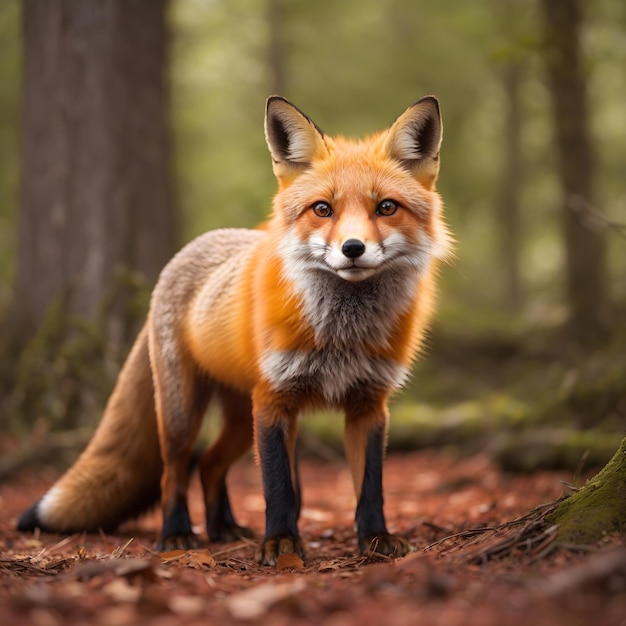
[
  {"x": 61, "y": 377},
  {"x": 218, "y": 91},
  {"x": 59, "y": 374}
]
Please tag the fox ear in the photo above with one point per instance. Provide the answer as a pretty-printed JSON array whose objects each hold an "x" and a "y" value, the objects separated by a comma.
[
  {"x": 293, "y": 139},
  {"x": 415, "y": 140}
]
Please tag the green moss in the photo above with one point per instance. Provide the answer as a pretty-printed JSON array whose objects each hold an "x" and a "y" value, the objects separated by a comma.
[
  {"x": 517, "y": 435},
  {"x": 551, "y": 448},
  {"x": 58, "y": 375},
  {"x": 599, "y": 508}
]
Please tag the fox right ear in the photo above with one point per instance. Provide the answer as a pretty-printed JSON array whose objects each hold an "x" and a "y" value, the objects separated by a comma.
[{"x": 293, "y": 139}]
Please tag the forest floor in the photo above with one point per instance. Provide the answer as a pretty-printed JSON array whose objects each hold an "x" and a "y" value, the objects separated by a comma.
[{"x": 433, "y": 498}]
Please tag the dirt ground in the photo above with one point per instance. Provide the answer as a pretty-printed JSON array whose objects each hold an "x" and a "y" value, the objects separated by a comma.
[{"x": 118, "y": 579}]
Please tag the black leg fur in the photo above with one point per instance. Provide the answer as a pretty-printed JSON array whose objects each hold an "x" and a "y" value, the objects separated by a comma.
[
  {"x": 369, "y": 511},
  {"x": 221, "y": 524},
  {"x": 281, "y": 516},
  {"x": 371, "y": 528},
  {"x": 176, "y": 533}
]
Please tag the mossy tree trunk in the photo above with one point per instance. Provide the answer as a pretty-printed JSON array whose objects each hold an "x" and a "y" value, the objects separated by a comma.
[{"x": 599, "y": 508}]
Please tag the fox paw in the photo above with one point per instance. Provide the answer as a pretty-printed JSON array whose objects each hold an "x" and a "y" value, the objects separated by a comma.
[
  {"x": 269, "y": 551},
  {"x": 384, "y": 543},
  {"x": 228, "y": 533},
  {"x": 186, "y": 541}
]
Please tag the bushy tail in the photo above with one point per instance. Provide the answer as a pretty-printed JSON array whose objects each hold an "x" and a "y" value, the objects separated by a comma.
[{"x": 118, "y": 475}]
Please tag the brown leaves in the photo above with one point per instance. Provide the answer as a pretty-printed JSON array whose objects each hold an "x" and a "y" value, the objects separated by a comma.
[
  {"x": 196, "y": 559},
  {"x": 41, "y": 563},
  {"x": 105, "y": 580}
]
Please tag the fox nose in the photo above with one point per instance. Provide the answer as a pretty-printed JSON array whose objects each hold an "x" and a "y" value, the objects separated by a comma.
[{"x": 353, "y": 248}]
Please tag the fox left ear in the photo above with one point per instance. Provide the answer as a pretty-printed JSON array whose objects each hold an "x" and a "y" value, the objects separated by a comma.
[
  {"x": 293, "y": 139},
  {"x": 415, "y": 140}
]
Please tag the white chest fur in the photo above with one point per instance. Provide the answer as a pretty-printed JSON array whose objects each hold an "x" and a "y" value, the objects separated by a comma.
[{"x": 351, "y": 321}]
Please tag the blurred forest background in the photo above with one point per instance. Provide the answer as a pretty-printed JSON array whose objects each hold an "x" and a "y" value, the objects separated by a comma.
[{"x": 127, "y": 127}]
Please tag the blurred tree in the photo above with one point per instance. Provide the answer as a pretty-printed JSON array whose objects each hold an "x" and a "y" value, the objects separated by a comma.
[
  {"x": 96, "y": 197},
  {"x": 585, "y": 245},
  {"x": 10, "y": 70},
  {"x": 277, "y": 53},
  {"x": 508, "y": 205}
]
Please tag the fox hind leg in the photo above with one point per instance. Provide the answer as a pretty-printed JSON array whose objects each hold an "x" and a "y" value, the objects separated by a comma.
[
  {"x": 234, "y": 440},
  {"x": 182, "y": 395}
]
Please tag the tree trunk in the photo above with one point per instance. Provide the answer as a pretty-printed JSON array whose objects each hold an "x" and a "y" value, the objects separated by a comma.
[
  {"x": 585, "y": 246},
  {"x": 96, "y": 196},
  {"x": 509, "y": 213},
  {"x": 276, "y": 50}
]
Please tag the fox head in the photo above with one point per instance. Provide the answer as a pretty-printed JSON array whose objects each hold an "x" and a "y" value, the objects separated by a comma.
[{"x": 356, "y": 209}]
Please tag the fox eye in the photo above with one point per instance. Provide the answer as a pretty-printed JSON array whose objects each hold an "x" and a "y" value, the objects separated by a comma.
[
  {"x": 386, "y": 208},
  {"x": 322, "y": 209}
]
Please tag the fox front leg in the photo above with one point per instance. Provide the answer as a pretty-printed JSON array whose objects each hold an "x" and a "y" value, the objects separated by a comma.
[
  {"x": 365, "y": 434},
  {"x": 275, "y": 432}
]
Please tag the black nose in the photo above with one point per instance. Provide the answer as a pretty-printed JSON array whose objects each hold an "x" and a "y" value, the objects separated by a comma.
[{"x": 353, "y": 248}]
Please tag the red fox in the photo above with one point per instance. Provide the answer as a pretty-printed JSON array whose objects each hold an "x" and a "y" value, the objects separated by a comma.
[{"x": 324, "y": 306}]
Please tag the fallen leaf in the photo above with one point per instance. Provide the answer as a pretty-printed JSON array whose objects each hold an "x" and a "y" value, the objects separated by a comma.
[
  {"x": 254, "y": 603},
  {"x": 43, "y": 617},
  {"x": 120, "y": 567},
  {"x": 201, "y": 560},
  {"x": 172, "y": 555},
  {"x": 289, "y": 561},
  {"x": 119, "y": 615},
  {"x": 120, "y": 590},
  {"x": 187, "y": 605},
  {"x": 38, "y": 595},
  {"x": 198, "y": 559},
  {"x": 130, "y": 568},
  {"x": 598, "y": 568},
  {"x": 326, "y": 566}
]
